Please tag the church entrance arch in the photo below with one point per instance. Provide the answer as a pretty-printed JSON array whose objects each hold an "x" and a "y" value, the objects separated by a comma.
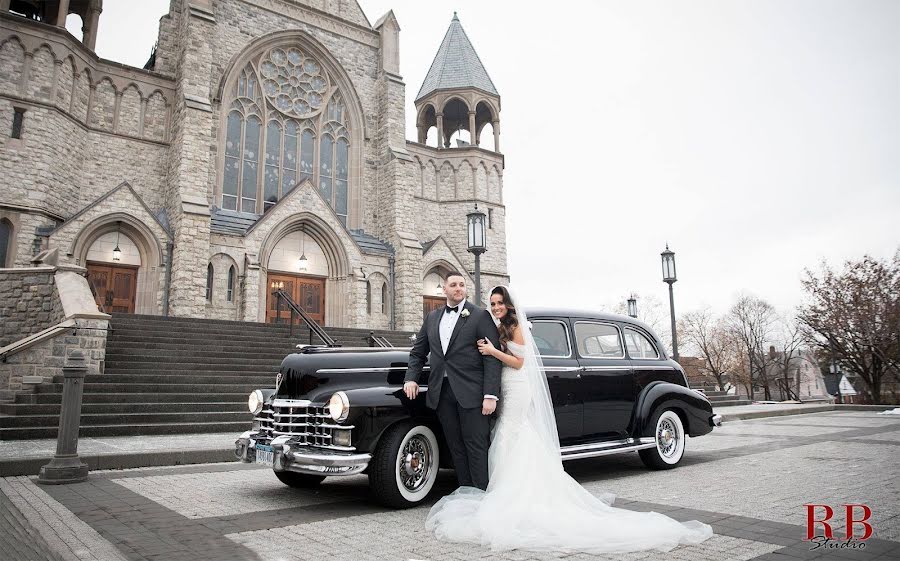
[
  {"x": 299, "y": 266},
  {"x": 433, "y": 296},
  {"x": 123, "y": 281}
]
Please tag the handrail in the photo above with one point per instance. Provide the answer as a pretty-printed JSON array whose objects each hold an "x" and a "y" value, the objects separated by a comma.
[
  {"x": 93, "y": 286},
  {"x": 378, "y": 340},
  {"x": 27, "y": 340},
  {"x": 310, "y": 322}
]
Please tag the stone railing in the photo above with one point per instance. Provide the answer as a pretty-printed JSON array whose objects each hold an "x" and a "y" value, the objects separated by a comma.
[
  {"x": 58, "y": 315},
  {"x": 28, "y": 302}
]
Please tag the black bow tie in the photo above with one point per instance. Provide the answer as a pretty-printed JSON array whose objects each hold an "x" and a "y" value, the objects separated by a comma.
[{"x": 448, "y": 309}]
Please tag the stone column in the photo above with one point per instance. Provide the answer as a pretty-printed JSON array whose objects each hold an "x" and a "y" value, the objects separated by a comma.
[
  {"x": 66, "y": 466},
  {"x": 90, "y": 29},
  {"x": 472, "y": 137},
  {"x": 423, "y": 135},
  {"x": 440, "y": 130},
  {"x": 496, "y": 125},
  {"x": 61, "y": 15}
]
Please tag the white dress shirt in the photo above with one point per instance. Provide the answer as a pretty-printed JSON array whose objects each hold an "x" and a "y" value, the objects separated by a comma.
[{"x": 446, "y": 327}]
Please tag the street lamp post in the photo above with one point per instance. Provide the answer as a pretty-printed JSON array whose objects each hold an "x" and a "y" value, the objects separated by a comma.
[
  {"x": 668, "y": 268},
  {"x": 476, "y": 223},
  {"x": 632, "y": 306}
]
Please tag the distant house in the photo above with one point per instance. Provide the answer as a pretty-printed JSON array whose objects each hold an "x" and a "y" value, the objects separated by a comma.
[{"x": 802, "y": 380}]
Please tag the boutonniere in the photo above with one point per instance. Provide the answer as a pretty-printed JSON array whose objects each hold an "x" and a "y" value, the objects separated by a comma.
[{"x": 464, "y": 314}]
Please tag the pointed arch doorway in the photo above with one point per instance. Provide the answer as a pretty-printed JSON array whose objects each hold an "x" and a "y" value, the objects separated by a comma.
[
  {"x": 305, "y": 283},
  {"x": 113, "y": 263}
]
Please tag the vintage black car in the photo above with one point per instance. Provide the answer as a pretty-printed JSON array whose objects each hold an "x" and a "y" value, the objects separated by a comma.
[{"x": 341, "y": 411}]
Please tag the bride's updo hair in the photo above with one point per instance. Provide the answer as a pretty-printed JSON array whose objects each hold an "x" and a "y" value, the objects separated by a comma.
[{"x": 510, "y": 320}]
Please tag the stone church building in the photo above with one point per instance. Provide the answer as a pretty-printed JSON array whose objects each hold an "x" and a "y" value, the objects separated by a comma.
[{"x": 263, "y": 145}]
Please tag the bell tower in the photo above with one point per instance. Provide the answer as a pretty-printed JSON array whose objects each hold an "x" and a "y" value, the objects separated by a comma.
[
  {"x": 458, "y": 95},
  {"x": 55, "y": 13}
]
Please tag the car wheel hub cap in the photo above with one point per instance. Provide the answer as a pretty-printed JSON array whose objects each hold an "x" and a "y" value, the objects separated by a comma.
[
  {"x": 667, "y": 438},
  {"x": 415, "y": 459}
]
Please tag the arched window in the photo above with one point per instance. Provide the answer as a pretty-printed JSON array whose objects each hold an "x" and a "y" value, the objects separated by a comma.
[
  {"x": 209, "y": 282},
  {"x": 5, "y": 242},
  {"x": 384, "y": 298},
  {"x": 229, "y": 288},
  {"x": 368, "y": 297},
  {"x": 286, "y": 123}
]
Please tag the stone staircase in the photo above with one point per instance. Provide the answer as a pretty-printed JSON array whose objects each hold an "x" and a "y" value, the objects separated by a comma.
[
  {"x": 172, "y": 376},
  {"x": 719, "y": 398}
]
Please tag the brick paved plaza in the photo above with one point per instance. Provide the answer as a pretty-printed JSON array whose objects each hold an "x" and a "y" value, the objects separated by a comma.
[{"x": 749, "y": 480}]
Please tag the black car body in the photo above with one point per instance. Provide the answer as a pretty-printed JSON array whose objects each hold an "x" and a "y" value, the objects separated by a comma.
[{"x": 342, "y": 411}]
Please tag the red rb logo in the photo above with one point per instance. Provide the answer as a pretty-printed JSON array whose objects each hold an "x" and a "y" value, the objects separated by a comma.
[{"x": 811, "y": 521}]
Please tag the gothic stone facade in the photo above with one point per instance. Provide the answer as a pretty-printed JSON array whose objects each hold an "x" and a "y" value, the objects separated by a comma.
[{"x": 261, "y": 130}]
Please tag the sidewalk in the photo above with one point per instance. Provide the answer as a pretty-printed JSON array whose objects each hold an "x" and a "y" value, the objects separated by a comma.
[{"x": 25, "y": 457}]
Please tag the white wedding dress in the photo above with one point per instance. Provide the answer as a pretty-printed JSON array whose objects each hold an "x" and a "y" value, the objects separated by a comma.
[{"x": 531, "y": 502}]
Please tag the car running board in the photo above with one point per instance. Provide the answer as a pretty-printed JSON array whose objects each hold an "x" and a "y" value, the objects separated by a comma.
[{"x": 604, "y": 448}]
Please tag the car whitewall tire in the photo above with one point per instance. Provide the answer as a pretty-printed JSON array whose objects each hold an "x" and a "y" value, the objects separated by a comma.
[{"x": 670, "y": 438}]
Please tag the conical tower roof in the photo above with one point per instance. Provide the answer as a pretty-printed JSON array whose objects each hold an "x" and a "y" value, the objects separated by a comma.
[{"x": 456, "y": 65}]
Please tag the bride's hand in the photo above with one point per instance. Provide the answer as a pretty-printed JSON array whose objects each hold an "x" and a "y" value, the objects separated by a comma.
[{"x": 485, "y": 346}]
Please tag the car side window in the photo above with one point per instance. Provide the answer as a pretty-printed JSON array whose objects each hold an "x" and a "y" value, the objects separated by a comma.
[
  {"x": 598, "y": 340},
  {"x": 551, "y": 338},
  {"x": 639, "y": 346}
]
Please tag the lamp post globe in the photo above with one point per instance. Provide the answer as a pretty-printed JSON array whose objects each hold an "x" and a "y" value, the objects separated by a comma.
[
  {"x": 475, "y": 226},
  {"x": 669, "y": 277}
]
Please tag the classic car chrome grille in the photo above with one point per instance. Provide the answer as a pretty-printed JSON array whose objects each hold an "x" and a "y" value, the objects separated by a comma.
[
  {"x": 306, "y": 423},
  {"x": 264, "y": 432}
]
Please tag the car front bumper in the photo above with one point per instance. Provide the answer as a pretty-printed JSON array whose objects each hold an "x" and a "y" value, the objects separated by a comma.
[{"x": 291, "y": 456}]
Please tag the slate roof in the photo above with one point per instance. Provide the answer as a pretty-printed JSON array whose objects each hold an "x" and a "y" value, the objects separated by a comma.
[
  {"x": 456, "y": 65},
  {"x": 370, "y": 244},
  {"x": 231, "y": 222}
]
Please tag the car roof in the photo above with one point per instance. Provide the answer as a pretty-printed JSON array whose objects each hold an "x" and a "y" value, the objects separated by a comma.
[{"x": 541, "y": 312}]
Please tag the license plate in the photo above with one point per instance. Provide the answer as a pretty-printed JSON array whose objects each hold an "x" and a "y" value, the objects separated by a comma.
[{"x": 264, "y": 454}]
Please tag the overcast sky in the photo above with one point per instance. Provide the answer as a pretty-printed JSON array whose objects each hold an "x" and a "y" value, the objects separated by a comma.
[{"x": 755, "y": 137}]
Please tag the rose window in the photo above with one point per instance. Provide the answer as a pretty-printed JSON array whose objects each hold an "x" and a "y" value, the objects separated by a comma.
[{"x": 294, "y": 83}]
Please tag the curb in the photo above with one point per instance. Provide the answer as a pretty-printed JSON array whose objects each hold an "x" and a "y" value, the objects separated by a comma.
[
  {"x": 32, "y": 466},
  {"x": 746, "y": 415}
]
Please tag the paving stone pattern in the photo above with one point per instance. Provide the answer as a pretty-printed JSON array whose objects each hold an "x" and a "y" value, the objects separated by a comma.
[{"x": 749, "y": 480}]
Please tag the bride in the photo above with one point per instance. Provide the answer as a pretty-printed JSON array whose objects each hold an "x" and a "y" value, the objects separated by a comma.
[{"x": 530, "y": 502}]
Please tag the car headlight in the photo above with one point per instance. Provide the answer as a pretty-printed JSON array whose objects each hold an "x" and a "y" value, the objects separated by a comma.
[
  {"x": 255, "y": 402},
  {"x": 339, "y": 406}
]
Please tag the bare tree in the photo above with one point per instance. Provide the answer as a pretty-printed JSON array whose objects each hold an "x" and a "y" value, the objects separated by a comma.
[
  {"x": 751, "y": 321},
  {"x": 857, "y": 313},
  {"x": 709, "y": 337},
  {"x": 789, "y": 338}
]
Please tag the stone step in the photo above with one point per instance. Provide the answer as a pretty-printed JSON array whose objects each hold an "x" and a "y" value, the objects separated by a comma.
[
  {"x": 32, "y": 433},
  {"x": 121, "y": 367},
  {"x": 729, "y": 403},
  {"x": 158, "y": 351},
  {"x": 88, "y": 420},
  {"x": 139, "y": 397},
  {"x": 237, "y": 406},
  {"x": 166, "y": 379},
  {"x": 169, "y": 388}
]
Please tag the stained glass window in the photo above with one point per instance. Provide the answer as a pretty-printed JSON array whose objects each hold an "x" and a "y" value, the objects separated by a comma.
[{"x": 286, "y": 123}]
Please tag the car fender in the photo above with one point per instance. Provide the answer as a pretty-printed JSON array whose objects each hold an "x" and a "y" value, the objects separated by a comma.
[{"x": 694, "y": 409}]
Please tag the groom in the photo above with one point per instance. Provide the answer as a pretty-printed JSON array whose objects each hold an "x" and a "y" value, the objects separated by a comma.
[{"x": 463, "y": 385}]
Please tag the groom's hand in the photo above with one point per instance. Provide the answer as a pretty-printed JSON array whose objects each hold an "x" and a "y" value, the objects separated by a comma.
[
  {"x": 488, "y": 406},
  {"x": 411, "y": 389}
]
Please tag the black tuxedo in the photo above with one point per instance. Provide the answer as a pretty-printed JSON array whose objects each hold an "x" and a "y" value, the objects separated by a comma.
[{"x": 457, "y": 383}]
